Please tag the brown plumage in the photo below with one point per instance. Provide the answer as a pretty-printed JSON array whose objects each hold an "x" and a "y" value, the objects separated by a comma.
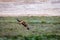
[{"x": 23, "y": 23}]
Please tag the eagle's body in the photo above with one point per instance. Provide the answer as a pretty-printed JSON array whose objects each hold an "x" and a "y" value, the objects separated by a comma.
[{"x": 23, "y": 23}]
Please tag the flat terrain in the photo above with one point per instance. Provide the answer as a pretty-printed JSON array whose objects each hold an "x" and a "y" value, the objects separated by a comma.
[
  {"x": 45, "y": 25},
  {"x": 38, "y": 26}
]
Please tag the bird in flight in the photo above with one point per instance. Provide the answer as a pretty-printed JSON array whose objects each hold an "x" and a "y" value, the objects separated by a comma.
[{"x": 23, "y": 23}]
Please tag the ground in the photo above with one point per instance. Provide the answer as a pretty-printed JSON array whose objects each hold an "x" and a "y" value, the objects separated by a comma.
[{"x": 38, "y": 26}]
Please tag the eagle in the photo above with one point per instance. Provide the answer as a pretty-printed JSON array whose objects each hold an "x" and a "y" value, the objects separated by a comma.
[{"x": 23, "y": 23}]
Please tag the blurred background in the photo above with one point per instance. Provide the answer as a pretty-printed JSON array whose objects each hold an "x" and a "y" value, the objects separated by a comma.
[
  {"x": 42, "y": 17},
  {"x": 29, "y": 7}
]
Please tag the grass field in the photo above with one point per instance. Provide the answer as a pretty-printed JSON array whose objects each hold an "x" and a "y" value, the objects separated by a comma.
[{"x": 45, "y": 28}]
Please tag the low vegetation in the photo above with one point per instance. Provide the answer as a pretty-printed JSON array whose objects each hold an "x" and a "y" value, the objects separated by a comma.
[{"x": 41, "y": 28}]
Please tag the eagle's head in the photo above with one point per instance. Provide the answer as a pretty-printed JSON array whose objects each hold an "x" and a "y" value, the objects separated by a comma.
[{"x": 18, "y": 20}]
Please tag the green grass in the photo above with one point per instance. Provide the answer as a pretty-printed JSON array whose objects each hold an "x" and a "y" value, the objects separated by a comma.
[
  {"x": 32, "y": 37},
  {"x": 41, "y": 28},
  {"x": 32, "y": 19}
]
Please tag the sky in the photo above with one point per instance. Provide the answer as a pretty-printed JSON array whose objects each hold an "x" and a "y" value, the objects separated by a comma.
[{"x": 48, "y": 7}]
